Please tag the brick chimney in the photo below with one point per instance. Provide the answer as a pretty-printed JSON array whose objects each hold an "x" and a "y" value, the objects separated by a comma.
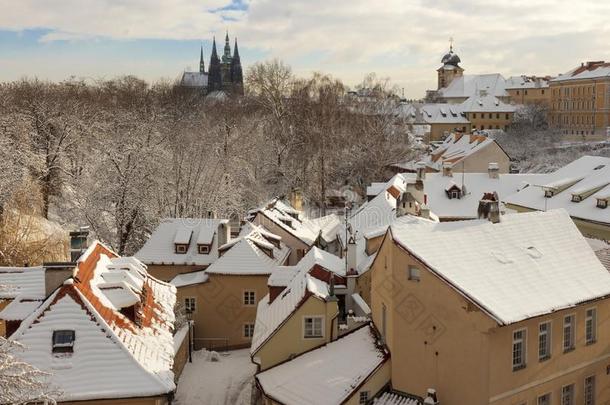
[
  {"x": 489, "y": 207},
  {"x": 55, "y": 274}
]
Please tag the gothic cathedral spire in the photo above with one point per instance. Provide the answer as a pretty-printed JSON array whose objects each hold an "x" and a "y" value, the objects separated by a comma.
[
  {"x": 237, "y": 77},
  {"x": 201, "y": 64},
  {"x": 214, "y": 76}
]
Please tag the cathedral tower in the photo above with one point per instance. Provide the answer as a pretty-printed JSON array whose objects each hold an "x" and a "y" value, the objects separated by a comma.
[
  {"x": 214, "y": 78},
  {"x": 450, "y": 69},
  {"x": 237, "y": 77}
]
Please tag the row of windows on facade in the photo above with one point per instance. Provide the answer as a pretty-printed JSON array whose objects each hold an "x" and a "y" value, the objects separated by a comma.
[
  {"x": 568, "y": 392},
  {"x": 249, "y": 299},
  {"x": 573, "y": 119},
  {"x": 525, "y": 92},
  {"x": 505, "y": 127},
  {"x": 182, "y": 248},
  {"x": 490, "y": 116},
  {"x": 519, "y": 357},
  {"x": 574, "y": 90},
  {"x": 574, "y": 105}
]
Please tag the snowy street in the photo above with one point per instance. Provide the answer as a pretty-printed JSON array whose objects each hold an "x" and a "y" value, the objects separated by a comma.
[{"x": 225, "y": 382}]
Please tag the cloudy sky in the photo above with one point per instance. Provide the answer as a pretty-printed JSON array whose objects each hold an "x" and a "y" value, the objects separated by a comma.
[{"x": 400, "y": 39}]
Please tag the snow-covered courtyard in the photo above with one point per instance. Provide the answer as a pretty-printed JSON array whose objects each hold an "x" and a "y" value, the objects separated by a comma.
[{"x": 227, "y": 381}]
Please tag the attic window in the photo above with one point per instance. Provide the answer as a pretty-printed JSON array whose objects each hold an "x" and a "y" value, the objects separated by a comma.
[
  {"x": 63, "y": 341},
  {"x": 602, "y": 203},
  {"x": 181, "y": 248},
  {"x": 599, "y": 167},
  {"x": 576, "y": 198},
  {"x": 548, "y": 193},
  {"x": 203, "y": 249}
]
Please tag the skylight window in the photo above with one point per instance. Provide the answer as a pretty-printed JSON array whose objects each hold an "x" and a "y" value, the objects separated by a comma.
[
  {"x": 533, "y": 252},
  {"x": 63, "y": 341}
]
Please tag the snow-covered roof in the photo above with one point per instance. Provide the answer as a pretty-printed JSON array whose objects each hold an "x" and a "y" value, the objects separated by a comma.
[
  {"x": 590, "y": 70},
  {"x": 160, "y": 247},
  {"x": 475, "y": 184},
  {"x": 114, "y": 356},
  {"x": 19, "y": 309},
  {"x": 395, "y": 398},
  {"x": 527, "y": 82},
  {"x": 328, "y": 375},
  {"x": 486, "y": 103},
  {"x": 291, "y": 220},
  {"x": 194, "y": 79},
  {"x": 27, "y": 282},
  {"x": 527, "y": 265},
  {"x": 282, "y": 275},
  {"x": 246, "y": 255},
  {"x": 330, "y": 225},
  {"x": 270, "y": 316},
  {"x": 440, "y": 113},
  {"x": 469, "y": 85},
  {"x": 184, "y": 279},
  {"x": 588, "y": 177},
  {"x": 454, "y": 149}
]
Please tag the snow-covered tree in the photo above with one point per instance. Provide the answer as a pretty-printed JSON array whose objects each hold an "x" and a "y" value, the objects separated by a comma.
[{"x": 20, "y": 382}]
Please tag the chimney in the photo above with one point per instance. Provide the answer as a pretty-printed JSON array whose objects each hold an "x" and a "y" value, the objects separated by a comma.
[
  {"x": 296, "y": 199},
  {"x": 431, "y": 398},
  {"x": 424, "y": 211},
  {"x": 224, "y": 233},
  {"x": 489, "y": 207},
  {"x": 351, "y": 254},
  {"x": 420, "y": 169},
  {"x": 78, "y": 243},
  {"x": 55, "y": 274},
  {"x": 493, "y": 170},
  {"x": 211, "y": 214},
  {"x": 447, "y": 169}
]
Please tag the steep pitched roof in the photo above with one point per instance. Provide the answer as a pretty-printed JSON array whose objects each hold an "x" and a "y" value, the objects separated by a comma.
[
  {"x": 160, "y": 247},
  {"x": 270, "y": 316},
  {"x": 527, "y": 265},
  {"x": 469, "y": 85},
  {"x": 114, "y": 356},
  {"x": 289, "y": 219},
  {"x": 328, "y": 375}
]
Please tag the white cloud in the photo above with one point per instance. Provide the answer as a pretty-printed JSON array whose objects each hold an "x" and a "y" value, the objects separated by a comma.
[{"x": 403, "y": 39}]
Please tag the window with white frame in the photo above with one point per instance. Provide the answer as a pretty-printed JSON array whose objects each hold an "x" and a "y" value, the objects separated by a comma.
[
  {"x": 544, "y": 341},
  {"x": 568, "y": 333},
  {"x": 519, "y": 347},
  {"x": 249, "y": 297},
  {"x": 190, "y": 305},
  {"x": 313, "y": 327},
  {"x": 248, "y": 330},
  {"x": 591, "y": 326},
  {"x": 544, "y": 399},
  {"x": 567, "y": 395},
  {"x": 364, "y": 397},
  {"x": 413, "y": 273},
  {"x": 589, "y": 393}
]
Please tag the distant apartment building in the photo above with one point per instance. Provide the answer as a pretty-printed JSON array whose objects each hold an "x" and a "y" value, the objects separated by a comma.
[
  {"x": 580, "y": 101},
  {"x": 529, "y": 90}
]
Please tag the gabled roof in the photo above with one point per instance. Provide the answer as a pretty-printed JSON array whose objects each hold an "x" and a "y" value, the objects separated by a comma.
[
  {"x": 194, "y": 79},
  {"x": 328, "y": 375},
  {"x": 440, "y": 113},
  {"x": 270, "y": 316},
  {"x": 589, "y": 70},
  {"x": 486, "y": 103},
  {"x": 114, "y": 357},
  {"x": 160, "y": 247},
  {"x": 330, "y": 225},
  {"x": 527, "y": 265},
  {"x": 469, "y": 85},
  {"x": 588, "y": 176},
  {"x": 527, "y": 82},
  {"x": 280, "y": 212}
]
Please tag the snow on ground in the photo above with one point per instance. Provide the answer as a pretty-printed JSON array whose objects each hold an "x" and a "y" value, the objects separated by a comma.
[{"x": 225, "y": 382}]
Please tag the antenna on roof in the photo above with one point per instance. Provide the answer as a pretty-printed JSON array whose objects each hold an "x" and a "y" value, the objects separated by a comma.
[{"x": 451, "y": 44}]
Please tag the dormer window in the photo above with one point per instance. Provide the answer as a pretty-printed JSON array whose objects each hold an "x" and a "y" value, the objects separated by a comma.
[
  {"x": 602, "y": 203},
  {"x": 203, "y": 249},
  {"x": 548, "y": 193},
  {"x": 63, "y": 341},
  {"x": 181, "y": 248},
  {"x": 576, "y": 198}
]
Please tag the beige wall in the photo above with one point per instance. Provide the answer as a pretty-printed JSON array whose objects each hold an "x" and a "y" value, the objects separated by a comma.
[
  {"x": 490, "y": 120},
  {"x": 432, "y": 326},
  {"x": 294, "y": 243},
  {"x": 438, "y": 131},
  {"x": 220, "y": 312},
  {"x": 180, "y": 358},
  {"x": 288, "y": 339},
  {"x": 478, "y": 162},
  {"x": 166, "y": 272},
  {"x": 530, "y": 96},
  {"x": 587, "y": 228},
  {"x": 3, "y": 304},
  {"x": 374, "y": 383}
]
